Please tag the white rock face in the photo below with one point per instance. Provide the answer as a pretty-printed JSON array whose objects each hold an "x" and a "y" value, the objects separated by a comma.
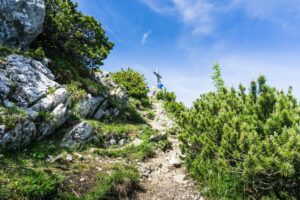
[
  {"x": 81, "y": 134},
  {"x": 21, "y": 21},
  {"x": 116, "y": 91},
  {"x": 175, "y": 160},
  {"x": 25, "y": 84},
  {"x": 29, "y": 85},
  {"x": 89, "y": 105},
  {"x": 27, "y": 80}
]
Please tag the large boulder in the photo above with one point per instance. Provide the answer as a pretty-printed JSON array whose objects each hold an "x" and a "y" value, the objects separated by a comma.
[
  {"x": 25, "y": 81},
  {"x": 27, "y": 85},
  {"x": 89, "y": 105},
  {"x": 116, "y": 91},
  {"x": 21, "y": 21},
  {"x": 80, "y": 134}
]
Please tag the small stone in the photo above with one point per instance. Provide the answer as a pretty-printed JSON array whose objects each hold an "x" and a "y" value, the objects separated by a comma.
[
  {"x": 137, "y": 142},
  {"x": 92, "y": 150},
  {"x": 113, "y": 142},
  {"x": 82, "y": 179},
  {"x": 79, "y": 156},
  {"x": 69, "y": 158},
  {"x": 99, "y": 169},
  {"x": 122, "y": 142},
  {"x": 180, "y": 178},
  {"x": 175, "y": 161},
  {"x": 58, "y": 159}
]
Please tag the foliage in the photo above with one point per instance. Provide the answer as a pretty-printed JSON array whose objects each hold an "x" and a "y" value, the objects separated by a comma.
[
  {"x": 134, "y": 83},
  {"x": 165, "y": 95},
  {"x": 44, "y": 116},
  {"x": 129, "y": 113},
  {"x": 121, "y": 177},
  {"x": 37, "y": 53},
  {"x": 24, "y": 174},
  {"x": 76, "y": 94},
  {"x": 241, "y": 145},
  {"x": 216, "y": 77},
  {"x": 117, "y": 128},
  {"x": 164, "y": 145},
  {"x": 150, "y": 114},
  {"x": 10, "y": 117},
  {"x": 51, "y": 90},
  {"x": 73, "y": 34},
  {"x": 30, "y": 184},
  {"x": 170, "y": 104},
  {"x": 142, "y": 151}
]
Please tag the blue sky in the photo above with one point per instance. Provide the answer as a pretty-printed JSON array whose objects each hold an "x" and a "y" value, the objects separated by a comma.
[{"x": 184, "y": 38}]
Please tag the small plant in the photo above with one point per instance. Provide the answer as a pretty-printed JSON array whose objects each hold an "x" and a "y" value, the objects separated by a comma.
[
  {"x": 124, "y": 177},
  {"x": 44, "y": 116},
  {"x": 51, "y": 90},
  {"x": 150, "y": 115},
  {"x": 38, "y": 53},
  {"x": 75, "y": 92},
  {"x": 164, "y": 145},
  {"x": 10, "y": 117},
  {"x": 135, "y": 85}
]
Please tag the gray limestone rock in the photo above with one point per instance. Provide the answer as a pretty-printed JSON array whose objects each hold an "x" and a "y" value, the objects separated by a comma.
[
  {"x": 21, "y": 21},
  {"x": 81, "y": 134}
]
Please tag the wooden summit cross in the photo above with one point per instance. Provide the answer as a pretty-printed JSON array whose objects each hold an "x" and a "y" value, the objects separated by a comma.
[{"x": 158, "y": 76}]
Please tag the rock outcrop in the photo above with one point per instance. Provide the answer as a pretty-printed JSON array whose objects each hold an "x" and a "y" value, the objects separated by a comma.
[
  {"x": 28, "y": 85},
  {"x": 107, "y": 104},
  {"x": 21, "y": 21},
  {"x": 81, "y": 134}
]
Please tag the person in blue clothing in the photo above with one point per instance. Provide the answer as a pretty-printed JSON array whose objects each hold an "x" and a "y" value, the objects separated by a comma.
[{"x": 160, "y": 86}]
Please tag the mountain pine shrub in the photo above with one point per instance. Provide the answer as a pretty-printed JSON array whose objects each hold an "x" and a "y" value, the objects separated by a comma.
[
  {"x": 134, "y": 83},
  {"x": 170, "y": 104},
  {"x": 73, "y": 34},
  {"x": 244, "y": 145}
]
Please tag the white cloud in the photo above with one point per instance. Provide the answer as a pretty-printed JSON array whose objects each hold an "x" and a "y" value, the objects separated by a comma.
[
  {"x": 145, "y": 37},
  {"x": 204, "y": 15}
]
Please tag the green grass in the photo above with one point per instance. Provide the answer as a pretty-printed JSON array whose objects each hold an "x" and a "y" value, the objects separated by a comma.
[
  {"x": 34, "y": 53},
  {"x": 121, "y": 181},
  {"x": 131, "y": 152},
  {"x": 29, "y": 183},
  {"x": 24, "y": 174},
  {"x": 10, "y": 117},
  {"x": 142, "y": 151},
  {"x": 117, "y": 128}
]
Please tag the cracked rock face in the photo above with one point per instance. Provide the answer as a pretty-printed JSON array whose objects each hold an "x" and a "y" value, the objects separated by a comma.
[
  {"x": 81, "y": 134},
  {"x": 21, "y": 21},
  {"x": 25, "y": 80},
  {"x": 29, "y": 85}
]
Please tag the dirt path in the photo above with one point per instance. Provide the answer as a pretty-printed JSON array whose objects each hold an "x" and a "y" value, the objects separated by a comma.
[{"x": 164, "y": 176}]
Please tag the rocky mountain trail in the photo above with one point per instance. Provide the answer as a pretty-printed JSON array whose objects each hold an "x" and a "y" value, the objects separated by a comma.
[{"x": 164, "y": 177}]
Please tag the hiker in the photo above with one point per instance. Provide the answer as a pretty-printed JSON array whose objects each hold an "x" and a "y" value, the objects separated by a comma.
[{"x": 160, "y": 86}]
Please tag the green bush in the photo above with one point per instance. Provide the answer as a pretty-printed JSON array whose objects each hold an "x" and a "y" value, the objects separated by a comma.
[
  {"x": 170, "y": 104},
  {"x": 38, "y": 53},
  {"x": 244, "y": 145},
  {"x": 73, "y": 34},
  {"x": 134, "y": 83},
  {"x": 75, "y": 92}
]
